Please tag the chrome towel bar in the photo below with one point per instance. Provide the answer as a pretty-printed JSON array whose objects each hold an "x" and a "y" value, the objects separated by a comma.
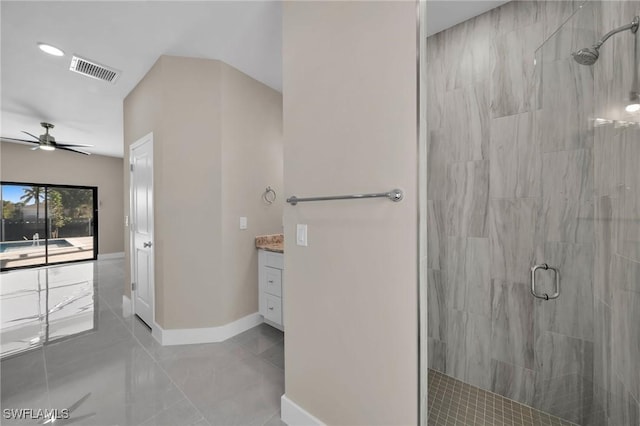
[{"x": 394, "y": 195}]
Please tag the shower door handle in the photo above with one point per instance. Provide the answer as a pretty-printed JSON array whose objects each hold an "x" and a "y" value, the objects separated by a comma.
[{"x": 556, "y": 281}]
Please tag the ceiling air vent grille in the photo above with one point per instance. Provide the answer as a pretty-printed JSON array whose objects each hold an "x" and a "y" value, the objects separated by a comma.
[{"x": 93, "y": 69}]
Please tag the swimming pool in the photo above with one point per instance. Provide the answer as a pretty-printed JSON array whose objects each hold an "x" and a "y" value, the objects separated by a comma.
[{"x": 10, "y": 246}]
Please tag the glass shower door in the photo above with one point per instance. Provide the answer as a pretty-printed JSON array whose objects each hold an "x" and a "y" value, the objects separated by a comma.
[{"x": 563, "y": 343}]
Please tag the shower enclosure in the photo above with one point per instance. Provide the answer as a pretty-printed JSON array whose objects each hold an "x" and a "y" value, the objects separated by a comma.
[{"x": 532, "y": 160}]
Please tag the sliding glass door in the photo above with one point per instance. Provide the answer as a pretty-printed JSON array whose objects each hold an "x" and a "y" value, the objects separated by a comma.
[{"x": 45, "y": 224}]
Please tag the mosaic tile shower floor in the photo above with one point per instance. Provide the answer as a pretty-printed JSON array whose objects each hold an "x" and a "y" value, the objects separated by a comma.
[{"x": 455, "y": 403}]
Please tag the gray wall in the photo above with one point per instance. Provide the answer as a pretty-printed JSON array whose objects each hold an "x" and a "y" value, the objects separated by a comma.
[{"x": 515, "y": 177}]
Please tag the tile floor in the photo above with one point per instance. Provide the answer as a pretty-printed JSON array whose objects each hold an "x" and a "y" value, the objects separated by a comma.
[
  {"x": 452, "y": 402},
  {"x": 117, "y": 374}
]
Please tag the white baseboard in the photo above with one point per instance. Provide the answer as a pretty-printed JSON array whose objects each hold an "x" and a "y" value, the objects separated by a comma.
[
  {"x": 108, "y": 256},
  {"x": 126, "y": 306},
  {"x": 295, "y": 415},
  {"x": 187, "y": 336}
]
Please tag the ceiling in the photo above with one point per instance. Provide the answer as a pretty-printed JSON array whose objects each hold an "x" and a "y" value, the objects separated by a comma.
[
  {"x": 444, "y": 14},
  {"x": 130, "y": 36}
]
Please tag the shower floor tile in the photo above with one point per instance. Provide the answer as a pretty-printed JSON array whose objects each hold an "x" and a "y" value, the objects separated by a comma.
[{"x": 452, "y": 402}]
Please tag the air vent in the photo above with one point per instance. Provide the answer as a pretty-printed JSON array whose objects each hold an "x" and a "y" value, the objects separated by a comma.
[{"x": 93, "y": 69}]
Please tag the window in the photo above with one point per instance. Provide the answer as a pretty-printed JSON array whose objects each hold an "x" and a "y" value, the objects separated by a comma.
[{"x": 45, "y": 224}]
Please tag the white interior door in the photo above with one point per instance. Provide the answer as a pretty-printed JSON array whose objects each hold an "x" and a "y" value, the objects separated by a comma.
[{"x": 141, "y": 225}]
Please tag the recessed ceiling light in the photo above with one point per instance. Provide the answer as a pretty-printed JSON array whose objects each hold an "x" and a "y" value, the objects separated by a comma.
[{"x": 51, "y": 50}]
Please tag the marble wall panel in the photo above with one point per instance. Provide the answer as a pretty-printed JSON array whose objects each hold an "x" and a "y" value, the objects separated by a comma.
[
  {"x": 513, "y": 382},
  {"x": 568, "y": 196},
  {"x": 438, "y": 156},
  {"x": 456, "y": 273},
  {"x": 602, "y": 354},
  {"x": 456, "y": 358},
  {"x": 473, "y": 61},
  {"x": 607, "y": 159},
  {"x": 512, "y": 327},
  {"x": 513, "y": 88},
  {"x": 515, "y": 157},
  {"x": 467, "y": 199},
  {"x": 570, "y": 314},
  {"x": 437, "y": 305},
  {"x": 435, "y": 80},
  {"x": 478, "y": 280},
  {"x": 567, "y": 105},
  {"x": 514, "y": 238},
  {"x": 625, "y": 409},
  {"x": 629, "y": 221},
  {"x": 515, "y": 15},
  {"x": 478, "y": 351},
  {"x": 466, "y": 122},
  {"x": 625, "y": 318},
  {"x": 436, "y": 235},
  {"x": 557, "y": 355},
  {"x": 437, "y": 358},
  {"x": 625, "y": 274},
  {"x": 569, "y": 397}
]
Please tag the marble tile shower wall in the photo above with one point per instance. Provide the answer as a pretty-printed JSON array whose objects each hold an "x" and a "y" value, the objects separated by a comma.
[{"x": 517, "y": 175}]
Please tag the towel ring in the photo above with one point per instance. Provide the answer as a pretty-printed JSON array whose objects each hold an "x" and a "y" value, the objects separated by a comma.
[{"x": 269, "y": 195}]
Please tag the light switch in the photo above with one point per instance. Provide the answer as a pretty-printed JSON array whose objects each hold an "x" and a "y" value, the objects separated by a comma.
[
  {"x": 301, "y": 235},
  {"x": 243, "y": 222}
]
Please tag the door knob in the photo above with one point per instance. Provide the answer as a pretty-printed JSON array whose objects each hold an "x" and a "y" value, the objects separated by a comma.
[{"x": 147, "y": 244}]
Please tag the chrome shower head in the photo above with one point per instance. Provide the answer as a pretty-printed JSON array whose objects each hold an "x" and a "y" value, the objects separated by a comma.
[
  {"x": 586, "y": 56},
  {"x": 589, "y": 55}
]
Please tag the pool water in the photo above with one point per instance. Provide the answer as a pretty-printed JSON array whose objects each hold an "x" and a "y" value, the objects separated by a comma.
[{"x": 25, "y": 245}]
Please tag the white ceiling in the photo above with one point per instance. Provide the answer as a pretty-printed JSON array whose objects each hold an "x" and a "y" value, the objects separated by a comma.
[
  {"x": 130, "y": 36},
  {"x": 443, "y": 14}
]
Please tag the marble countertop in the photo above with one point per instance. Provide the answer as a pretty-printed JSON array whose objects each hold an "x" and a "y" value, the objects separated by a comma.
[{"x": 272, "y": 242}]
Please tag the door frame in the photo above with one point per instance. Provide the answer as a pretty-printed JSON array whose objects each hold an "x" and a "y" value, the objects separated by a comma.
[{"x": 148, "y": 138}]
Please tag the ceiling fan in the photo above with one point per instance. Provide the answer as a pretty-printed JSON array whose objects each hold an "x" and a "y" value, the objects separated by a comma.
[{"x": 47, "y": 142}]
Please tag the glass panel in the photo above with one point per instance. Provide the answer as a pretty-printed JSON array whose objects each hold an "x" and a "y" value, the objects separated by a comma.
[
  {"x": 70, "y": 224},
  {"x": 563, "y": 345},
  {"x": 22, "y": 233}
]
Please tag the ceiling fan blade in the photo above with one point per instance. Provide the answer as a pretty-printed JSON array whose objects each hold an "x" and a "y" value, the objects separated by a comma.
[
  {"x": 32, "y": 135},
  {"x": 72, "y": 144},
  {"x": 18, "y": 140},
  {"x": 35, "y": 148},
  {"x": 72, "y": 150}
]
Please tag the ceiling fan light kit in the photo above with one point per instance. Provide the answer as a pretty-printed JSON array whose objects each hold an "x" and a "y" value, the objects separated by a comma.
[{"x": 47, "y": 142}]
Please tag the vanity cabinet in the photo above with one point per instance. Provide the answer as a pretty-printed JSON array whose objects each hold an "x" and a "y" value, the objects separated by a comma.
[{"x": 270, "y": 296}]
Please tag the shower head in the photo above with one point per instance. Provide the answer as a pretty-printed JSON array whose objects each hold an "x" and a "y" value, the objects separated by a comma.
[
  {"x": 589, "y": 55},
  {"x": 586, "y": 56}
]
